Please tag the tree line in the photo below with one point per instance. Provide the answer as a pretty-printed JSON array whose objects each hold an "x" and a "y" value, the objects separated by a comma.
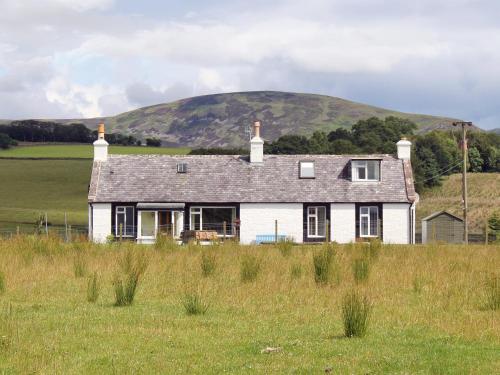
[
  {"x": 434, "y": 154},
  {"x": 49, "y": 131}
]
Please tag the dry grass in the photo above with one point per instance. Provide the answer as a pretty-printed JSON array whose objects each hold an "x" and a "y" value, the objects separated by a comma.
[
  {"x": 483, "y": 198},
  {"x": 426, "y": 300}
]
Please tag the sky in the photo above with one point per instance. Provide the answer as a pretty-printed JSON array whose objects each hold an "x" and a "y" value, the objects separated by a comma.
[{"x": 88, "y": 58}]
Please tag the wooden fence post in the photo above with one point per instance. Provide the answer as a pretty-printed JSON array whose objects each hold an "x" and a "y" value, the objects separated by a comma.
[
  {"x": 224, "y": 230},
  {"x": 486, "y": 230},
  {"x": 46, "y": 225},
  {"x": 121, "y": 231},
  {"x": 65, "y": 227},
  {"x": 327, "y": 230},
  {"x": 17, "y": 230},
  {"x": 276, "y": 231}
]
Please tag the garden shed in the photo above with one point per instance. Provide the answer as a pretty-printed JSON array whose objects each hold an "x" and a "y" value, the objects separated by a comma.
[{"x": 442, "y": 226}]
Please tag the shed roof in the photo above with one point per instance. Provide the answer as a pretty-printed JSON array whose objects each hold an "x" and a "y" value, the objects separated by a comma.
[
  {"x": 232, "y": 178},
  {"x": 439, "y": 213}
]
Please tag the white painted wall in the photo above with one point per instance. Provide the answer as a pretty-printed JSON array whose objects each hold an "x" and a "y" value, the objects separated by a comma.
[
  {"x": 101, "y": 215},
  {"x": 396, "y": 221},
  {"x": 258, "y": 219},
  {"x": 343, "y": 222}
]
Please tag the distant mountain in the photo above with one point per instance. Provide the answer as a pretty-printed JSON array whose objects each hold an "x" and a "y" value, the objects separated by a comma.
[
  {"x": 220, "y": 120},
  {"x": 496, "y": 131}
]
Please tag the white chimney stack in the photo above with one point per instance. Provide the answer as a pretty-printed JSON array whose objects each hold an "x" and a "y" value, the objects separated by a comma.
[
  {"x": 256, "y": 145},
  {"x": 404, "y": 149},
  {"x": 100, "y": 146}
]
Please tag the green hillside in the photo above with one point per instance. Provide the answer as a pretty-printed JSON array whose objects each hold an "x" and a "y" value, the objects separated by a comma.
[
  {"x": 83, "y": 151},
  {"x": 31, "y": 187},
  {"x": 483, "y": 198},
  {"x": 220, "y": 120}
]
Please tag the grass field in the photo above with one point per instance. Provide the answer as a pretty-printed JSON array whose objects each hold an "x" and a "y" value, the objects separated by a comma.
[
  {"x": 83, "y": 151},
  {"x": 31, "y": 187},
  {"x": 429, "y": 310}
]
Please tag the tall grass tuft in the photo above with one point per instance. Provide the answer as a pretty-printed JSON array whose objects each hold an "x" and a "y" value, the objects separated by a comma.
[
  {"x": 285, "y": 247},
  {"x": 208, "y": 263},
  {"x": 418, "y": 284},
  {"x": 2, "y": 283},
  {"x": 493, "y": 293},
  {"x": 165, "y": 243},
  {"x": 375, "y": 247},
  {"x": 356, "y": 311},
  {"x": 8, "y": 328},
  {"x": 79, "y": 266},
  {"x": 249, "y": 268},
  {"x": 322, "y": 262},
  {"x": 125, "y": 286},
  {"x": 295, "y": 271},
  {"x": 194, "y": 305},
  {"x": 93, "y": 288},
  {"x": 361, "y": 269}
]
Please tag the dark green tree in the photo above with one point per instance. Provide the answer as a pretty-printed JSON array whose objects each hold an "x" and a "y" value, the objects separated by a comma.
[
  {"x": 6, "y": 141},
  {"x": 475, "y": 160},
  {"x": 289, "y": 144},
  {"x": 494, "y": 222},
  {"x": 318, "y": 143}
]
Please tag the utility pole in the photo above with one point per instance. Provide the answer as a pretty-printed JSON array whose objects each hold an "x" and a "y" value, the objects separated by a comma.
[{"x": 464, "y": 125}]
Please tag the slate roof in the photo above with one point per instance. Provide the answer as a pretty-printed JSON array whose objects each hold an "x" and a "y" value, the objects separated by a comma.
[{"x": 231, "y": 178}]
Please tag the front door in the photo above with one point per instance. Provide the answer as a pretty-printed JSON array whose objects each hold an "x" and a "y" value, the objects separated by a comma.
[{"x": 165, "y": 223}]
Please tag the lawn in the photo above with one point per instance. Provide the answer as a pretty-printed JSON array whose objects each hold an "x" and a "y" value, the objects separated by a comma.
[
  {"x": 429, "y": 310},
  {"x": 84, "y": 151}
]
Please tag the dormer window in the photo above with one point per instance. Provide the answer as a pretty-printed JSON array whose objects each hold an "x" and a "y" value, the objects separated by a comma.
[
  {"x": 182, "y": 167},
  {"x": 366, "y": 170},
  {"x": 306, "y": 169}
]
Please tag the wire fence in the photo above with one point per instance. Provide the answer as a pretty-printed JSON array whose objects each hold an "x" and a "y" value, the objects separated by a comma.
[
  {"x": 272, "y": 232},
  {"x": 69, "y": 233}
]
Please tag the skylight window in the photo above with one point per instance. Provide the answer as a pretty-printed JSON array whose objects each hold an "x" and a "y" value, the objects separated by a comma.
[
  {"x": 306, "y": 169},
  {"x": 182, "y": 167}
]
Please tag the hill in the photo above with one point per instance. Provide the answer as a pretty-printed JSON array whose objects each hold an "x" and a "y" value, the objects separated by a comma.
[
  {"x": 220, "y": 120},
  {"x": 483, "y": 198}
]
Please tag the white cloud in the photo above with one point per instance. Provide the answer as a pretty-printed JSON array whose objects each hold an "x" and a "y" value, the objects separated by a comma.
[{"x": 82, "y": 99}]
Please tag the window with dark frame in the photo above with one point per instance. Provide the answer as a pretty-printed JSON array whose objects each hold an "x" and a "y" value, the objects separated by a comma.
[
  {"x": 124, "y": 221},
  {"x": 213, "y": 218},
  {"x": 306, "y": 169}
]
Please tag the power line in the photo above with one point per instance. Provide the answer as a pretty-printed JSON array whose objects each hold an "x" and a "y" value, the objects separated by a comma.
[{"x": 441, "y": 173}]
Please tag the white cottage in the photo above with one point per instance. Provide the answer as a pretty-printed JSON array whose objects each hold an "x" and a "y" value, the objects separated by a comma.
[{"x": 303, "y": 197}]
